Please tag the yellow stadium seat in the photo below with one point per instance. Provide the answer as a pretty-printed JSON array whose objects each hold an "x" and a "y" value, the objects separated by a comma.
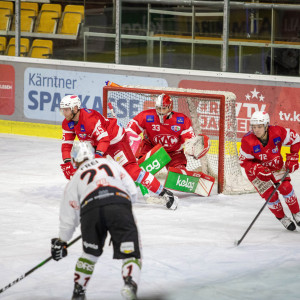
[
  {"x": 6, "y": 14},
  {"x": 48, "y": 18},
  {"x": 29, "y": 13},
  {"x": 41, "y": 49},
  {"x": 7, "y": 4},
  {"x": 24, "y": 47},
  {"x": 3, "y": 43},
  {"x": 72, "y": 17}
]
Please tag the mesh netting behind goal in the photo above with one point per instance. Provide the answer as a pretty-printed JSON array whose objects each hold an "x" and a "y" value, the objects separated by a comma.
[{"x": 211, "y": 112}]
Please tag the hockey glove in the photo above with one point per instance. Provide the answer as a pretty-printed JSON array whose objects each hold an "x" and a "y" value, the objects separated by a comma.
[
  {"x": 58, "y": 249},
  {"x": 197, "y": 146},
  {"x": 292, "y": 162},
  {"x": 262, "y": 173},
  {"x": 68, "y": 169},
  {"x": 99, "y": 154}
]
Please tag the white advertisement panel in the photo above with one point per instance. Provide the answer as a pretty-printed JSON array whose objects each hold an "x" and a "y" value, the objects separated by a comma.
[{"x": 44, "y": 89}]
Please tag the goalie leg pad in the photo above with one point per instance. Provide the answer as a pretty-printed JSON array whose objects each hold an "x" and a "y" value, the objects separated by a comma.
[{"x": 189, "y": 182}]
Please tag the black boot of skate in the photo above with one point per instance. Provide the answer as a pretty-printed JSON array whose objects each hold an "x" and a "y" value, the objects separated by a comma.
[
  {"x": 78, "y": 292},
  {"x": 129, "y": 290},
  {"x": 171, "y": 200}
]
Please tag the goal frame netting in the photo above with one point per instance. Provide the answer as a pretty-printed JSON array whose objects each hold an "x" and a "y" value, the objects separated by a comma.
[{"x": 220, "y": 96}]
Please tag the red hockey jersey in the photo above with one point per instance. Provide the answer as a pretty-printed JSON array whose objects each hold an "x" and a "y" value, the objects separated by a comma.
[
  {"x": 252, "y": 151},
  {"x": 171, "y": 135},
  {"x": 93, "y": 127}
]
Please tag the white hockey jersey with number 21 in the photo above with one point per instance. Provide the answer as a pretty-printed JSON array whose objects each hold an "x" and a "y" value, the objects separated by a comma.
[{"x": 97, "y": 181}]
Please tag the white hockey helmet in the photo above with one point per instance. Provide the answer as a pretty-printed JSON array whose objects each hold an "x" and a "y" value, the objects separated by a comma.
[
  {"x": 70, "y": 101},
  {"x": 163, "y": 101},
  {"x": 260, "y": 117},
  {"x": 82, "y": 151}
]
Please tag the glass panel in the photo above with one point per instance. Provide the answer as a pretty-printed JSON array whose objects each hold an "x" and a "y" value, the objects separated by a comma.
[
  {"x": 207, "y": 57},
  {"x": 100, "y": 49},
  {"x": 134, "y": 52},
  {"x": 176, "y": 55}
]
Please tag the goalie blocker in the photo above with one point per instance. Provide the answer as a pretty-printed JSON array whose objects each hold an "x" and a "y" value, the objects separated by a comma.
[{"x": 189, "y": 182}]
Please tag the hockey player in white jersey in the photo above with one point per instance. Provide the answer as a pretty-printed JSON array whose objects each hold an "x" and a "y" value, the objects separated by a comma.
[{"x": 99, "y": 197}]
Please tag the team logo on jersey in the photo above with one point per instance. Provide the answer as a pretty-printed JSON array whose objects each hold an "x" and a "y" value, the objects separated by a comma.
[
  {"x": 82, "y": 135},
  {"x": 256, "y": 148},
  {"x": 150, "y": 118},
  {"x": 275, "y": 150},
  {"x": 175, "y": 128},
  {"x": 71, "y": 125},
  {"x": 82, "y": 128},
  {"x": 180, "y": 120},
  {"x": 87, "y": 110},
  {"x": 165, "y": 140},
  {"x": 277, "y": 140}
]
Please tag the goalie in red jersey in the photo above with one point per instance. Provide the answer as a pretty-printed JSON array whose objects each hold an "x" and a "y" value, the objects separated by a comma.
[
  {"x": 172, "y": 130},
  {"x": 264, "y": 166},
  {"x": 108, "y": 138}
]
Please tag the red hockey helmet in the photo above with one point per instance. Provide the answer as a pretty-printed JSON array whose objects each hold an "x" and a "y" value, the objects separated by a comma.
[{"x": 164, "y": 106}]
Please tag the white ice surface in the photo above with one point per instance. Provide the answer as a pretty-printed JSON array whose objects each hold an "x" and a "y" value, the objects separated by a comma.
[{"x": 187, "y": 254}]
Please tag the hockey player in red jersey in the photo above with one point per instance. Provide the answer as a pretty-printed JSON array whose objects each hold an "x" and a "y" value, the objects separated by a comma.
[
  {"x": 264, "y": 166},
  {"x": 172, "y": 130},
  {"x": 108, "y": 138}
]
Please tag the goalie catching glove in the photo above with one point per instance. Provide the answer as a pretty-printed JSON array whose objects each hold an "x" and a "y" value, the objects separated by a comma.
[
  {"x": 292, "y": 162},
  {"x": 197, "y": 146},
  {"x": 58, "y": 249}
]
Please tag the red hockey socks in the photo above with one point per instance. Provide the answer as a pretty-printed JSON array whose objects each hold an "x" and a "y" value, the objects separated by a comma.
[
  {"x": 292, "y": 202},
  {"x": 275, "y": 207}
]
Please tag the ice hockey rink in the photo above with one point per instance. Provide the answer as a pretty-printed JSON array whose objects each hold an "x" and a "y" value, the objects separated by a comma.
[{"x": 187, "y": 254}]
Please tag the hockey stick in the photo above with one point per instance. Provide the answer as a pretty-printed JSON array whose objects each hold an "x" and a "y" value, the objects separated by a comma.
[
  {"x": 275, "y": 190},
  {"x": 36, "y": 267}
]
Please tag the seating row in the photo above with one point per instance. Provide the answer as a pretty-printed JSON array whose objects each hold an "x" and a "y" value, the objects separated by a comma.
[
  {"x": 39, "y": 48},
  {"x": 50, "y": 18}
]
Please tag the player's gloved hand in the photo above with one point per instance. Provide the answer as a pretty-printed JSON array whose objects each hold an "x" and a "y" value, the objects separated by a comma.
[
  {"x": 68, "y": 169},
  {"x": 262, "y": 173},
  {"x": 99, "y": 154},
  {"x": 58, "y": 249},
  {"x": 197, "y": 146},
  {"x": 292, "y": 162}
]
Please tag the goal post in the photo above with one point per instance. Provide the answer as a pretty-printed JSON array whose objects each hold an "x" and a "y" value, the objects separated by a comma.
[{"x": 211, "y": 112}]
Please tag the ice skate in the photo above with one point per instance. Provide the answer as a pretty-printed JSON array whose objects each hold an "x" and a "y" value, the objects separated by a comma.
[
  {"x": 296, "y": 218},
  {"x": 78, "y": 292},
  {"x": 129, "y": 290},
  {"x": 171, "y": 200},
  {"x": 287, "y": 223}
]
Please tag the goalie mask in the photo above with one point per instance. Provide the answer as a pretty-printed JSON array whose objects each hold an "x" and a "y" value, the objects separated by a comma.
[
  {"x": 163, "y": 106},
  {"x": 82, "y": 151}
]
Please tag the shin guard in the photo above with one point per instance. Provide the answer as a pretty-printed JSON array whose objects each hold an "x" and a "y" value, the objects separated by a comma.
[{"x": 83, "y": 271}]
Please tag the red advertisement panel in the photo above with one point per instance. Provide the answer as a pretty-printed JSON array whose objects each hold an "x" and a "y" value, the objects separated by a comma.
[
  {"x": 282, "y": 103},
  {"x": 7, "y": 90}
]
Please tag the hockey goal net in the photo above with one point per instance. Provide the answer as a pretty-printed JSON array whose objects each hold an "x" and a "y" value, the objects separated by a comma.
[{"x": 211, "y": 112}]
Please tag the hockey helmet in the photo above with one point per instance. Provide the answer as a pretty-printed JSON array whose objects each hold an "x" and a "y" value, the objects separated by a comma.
[
  {"x": 82, "y": 151},
  {"x": 260, "y": 117},
  {"x": 163, "y": 101},
  {"x": 70, "y": 101}
]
